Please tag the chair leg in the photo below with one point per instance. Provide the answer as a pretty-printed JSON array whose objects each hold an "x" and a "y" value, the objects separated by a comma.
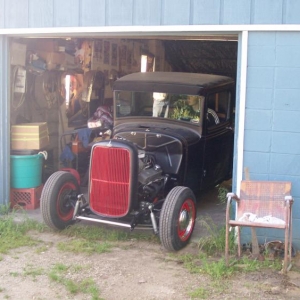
[
  {"x": 239, "y": 241},
  {"x": 289, "y": 239},
  {"x": 286, "y": 249},
  {"x": 227, "y": 245}
]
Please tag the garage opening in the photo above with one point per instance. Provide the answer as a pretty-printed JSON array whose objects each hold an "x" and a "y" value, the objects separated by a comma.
[{"x": 59, "y": 84}]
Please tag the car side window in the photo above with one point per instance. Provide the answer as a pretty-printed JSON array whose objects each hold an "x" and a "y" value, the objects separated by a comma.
[{"x": 218, "y": 108}]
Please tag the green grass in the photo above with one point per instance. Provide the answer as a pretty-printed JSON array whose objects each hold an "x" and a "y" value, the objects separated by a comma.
[
  {"x": 13, "y": 234},
  {"x": 216, "y": 268},
  {"x": 80, "y": 245},
  {"x": 210, "y": 259},
  {"x": 199, "y": 293},
  {"x": 33, "y": 271},
  {"x": 222, "y": 194},
  {"x": 214, "y": 242},
  {"x": 86, "y": 286},
  {"x": 93, "y": 233}
]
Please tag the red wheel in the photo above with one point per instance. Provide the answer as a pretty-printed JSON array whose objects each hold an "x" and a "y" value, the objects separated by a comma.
[
  {"x": 58, "y": 199},
  {"x": 186, "y": 221},
  {"x": 177, "y": 218}
]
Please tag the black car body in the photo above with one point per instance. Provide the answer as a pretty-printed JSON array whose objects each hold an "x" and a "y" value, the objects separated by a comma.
[{"x": 172, "y": 137}]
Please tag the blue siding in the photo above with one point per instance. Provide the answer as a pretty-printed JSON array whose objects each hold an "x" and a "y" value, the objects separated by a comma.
[
  {"x": 288, "y": 121},
  {"x": 258, "y": 161},
  {"x": 258, "y": 119},
  {"x": 260, "y": 77},
  {"x": 261, "y": 56},
  {"x": 286, "y": 142},
  {"x": 66, "y": 13},
  {"x": 285, "y": 164},
  {"x": 46, "y": 13},
  {"x": 268, "y": 12},
  {"x": 4, "y": 124},
  {"x": 290, "y": 38},
  {"x": 296, "y": 224},
  {"x": 262, "y": 39},
  {"x": 211, "y": 9},
  {"x": 176, "y": 12},
  {"x": 287, "y": 56},
  {"x": 147, "y": 12},
  {"x": 237, "y": 12},
  {"x": 285, "y": 99},
  {"x": 119, "y": 13},
  {"x": 259, "y": 98},
  {"x": 2, "y": 13},
  {"x": 287, "y": 78},
  {"x": 256, "y": 140},
  {"x": 41, "y": 13},
  {"x": 91, "y": 13},
  {"x": 16, "y": 14},
  {"x": 292, "y": 12},
  {"x": 273, "y": 68}
]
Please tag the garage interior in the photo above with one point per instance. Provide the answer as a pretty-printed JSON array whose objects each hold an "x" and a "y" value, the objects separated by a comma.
[{"x": 58, "y": 83}]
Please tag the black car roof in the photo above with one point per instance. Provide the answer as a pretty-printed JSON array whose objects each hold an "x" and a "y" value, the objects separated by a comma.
[{"x": 171, "y": 82}]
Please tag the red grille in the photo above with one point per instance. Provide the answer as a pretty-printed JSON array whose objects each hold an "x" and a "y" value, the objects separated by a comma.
[{"x": 109, "y": 181}]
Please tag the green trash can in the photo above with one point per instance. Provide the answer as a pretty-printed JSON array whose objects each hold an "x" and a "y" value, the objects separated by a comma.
[{"x": 26, "y": 170}]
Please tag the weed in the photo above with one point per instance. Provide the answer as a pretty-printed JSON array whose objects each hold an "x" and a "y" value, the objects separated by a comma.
[
  {"x": 93, "y": 233},
  {"x": 1, "y": 289},
  {"x": 13, "y": 235},
  {"x": 199, "y": 293},
  {"x": 32, "y": 271},
  {"x": 4, "y": 209},
  {"x": 247, "y": 265},
  {"x": 14, "y": 274},
  {"x": 84, "y": 246},
  {"x": 86, "y": 286},
  {"x": 214, "y": 242},
  {"x": 222, "y": 194},
  {"x": 41, "y": 249},
  {"x": 77, "y": 268},
  {"x": 217, "y": 269}
]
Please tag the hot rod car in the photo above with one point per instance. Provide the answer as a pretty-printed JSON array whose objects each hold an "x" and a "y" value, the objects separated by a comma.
[{"x": 172, "y": 137}]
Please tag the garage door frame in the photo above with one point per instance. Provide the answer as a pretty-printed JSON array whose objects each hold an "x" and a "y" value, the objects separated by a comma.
[{"x": 183, "y": 31}]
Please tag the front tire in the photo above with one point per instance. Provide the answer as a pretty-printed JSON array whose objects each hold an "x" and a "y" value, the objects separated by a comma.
[
  {"x": 177, "y": 218},
  {"x": 58, "y": 199}
]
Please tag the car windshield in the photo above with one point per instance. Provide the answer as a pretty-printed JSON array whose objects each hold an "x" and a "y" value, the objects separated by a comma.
[{"x": 180, "y": 107}]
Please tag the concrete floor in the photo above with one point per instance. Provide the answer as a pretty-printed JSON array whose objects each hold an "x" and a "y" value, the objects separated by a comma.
[{"x": 210, "y": 211}]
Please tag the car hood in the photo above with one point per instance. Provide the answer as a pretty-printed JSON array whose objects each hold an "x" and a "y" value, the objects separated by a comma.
[{"x": 186, "y": 135}]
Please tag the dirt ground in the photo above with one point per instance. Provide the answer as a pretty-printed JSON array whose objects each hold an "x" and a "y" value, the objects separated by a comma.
[{"x": 133, "y": 270}]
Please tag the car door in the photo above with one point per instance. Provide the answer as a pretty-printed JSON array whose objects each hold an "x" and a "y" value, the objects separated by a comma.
[{"x": 218, "y": 138}]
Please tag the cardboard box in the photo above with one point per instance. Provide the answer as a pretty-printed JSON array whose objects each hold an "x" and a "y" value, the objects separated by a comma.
[
  {"x": 52, "y": 59},
  {"x": 29, "y": 136},
  {"x": 18, "y": 54},
  {"x": 48, "y": 45},
  {"x": 57, "y": 60}
]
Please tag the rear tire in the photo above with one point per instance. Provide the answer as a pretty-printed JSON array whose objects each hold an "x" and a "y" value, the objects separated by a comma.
[
  {"x": 56, "y": 206},
  {"x": 177, "y": 218}
]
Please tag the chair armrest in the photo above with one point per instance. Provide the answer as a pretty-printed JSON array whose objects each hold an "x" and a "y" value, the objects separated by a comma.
[
  {"x": 289, "y": 199},
  {"x": 231, "y": 196}
]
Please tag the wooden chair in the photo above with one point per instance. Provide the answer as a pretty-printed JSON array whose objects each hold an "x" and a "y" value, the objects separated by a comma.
[{"x": 264, "y": 204}]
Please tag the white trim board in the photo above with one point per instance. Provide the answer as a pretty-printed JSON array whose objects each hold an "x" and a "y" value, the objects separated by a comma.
[{"x": 184, "y": 30}]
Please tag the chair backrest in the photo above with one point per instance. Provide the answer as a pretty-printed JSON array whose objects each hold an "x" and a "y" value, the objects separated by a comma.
[{"x": 263, "y": 198}]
